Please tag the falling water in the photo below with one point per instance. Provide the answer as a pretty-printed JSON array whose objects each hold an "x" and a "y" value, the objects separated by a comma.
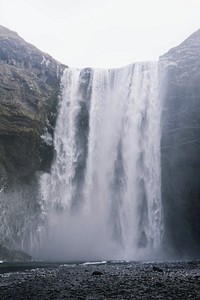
[{"x": 103, "y": 194}]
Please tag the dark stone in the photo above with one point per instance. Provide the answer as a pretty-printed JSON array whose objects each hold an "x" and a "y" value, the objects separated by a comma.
[
  {"x": 157, "y": 269},
  {"x": 97, "y": 273}
]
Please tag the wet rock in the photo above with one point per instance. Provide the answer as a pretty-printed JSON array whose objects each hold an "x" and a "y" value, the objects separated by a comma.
[
  {"x": 97, "y": 273},
  {"x": 157, "y": 269}
]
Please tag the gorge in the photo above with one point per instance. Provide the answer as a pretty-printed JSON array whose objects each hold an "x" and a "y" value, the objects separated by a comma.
[{"x": 99, "y": 164}]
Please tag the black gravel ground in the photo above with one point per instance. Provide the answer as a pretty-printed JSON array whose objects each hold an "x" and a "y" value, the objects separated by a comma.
[{"x": 112, "y": 280}]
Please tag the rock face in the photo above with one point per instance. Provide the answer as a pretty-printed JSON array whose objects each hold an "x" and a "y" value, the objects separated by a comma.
[
  {"x": 180, "y": 159},
  {"x": 29, "y": 87},
  {"x": 29, "y": 91}
]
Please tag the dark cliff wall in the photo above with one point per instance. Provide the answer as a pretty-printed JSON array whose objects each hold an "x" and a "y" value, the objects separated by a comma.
[
  {"x": 180, "y": 159},
  {"x": 29, "y": 87},
  {"x": 29, "y": 92}
]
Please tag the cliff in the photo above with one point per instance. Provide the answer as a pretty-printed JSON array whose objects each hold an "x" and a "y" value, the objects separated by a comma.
[
  {"x": 29, "y": 87},
  {"x": 180, "y": 145},
  {"x": 29, "y": 92}
]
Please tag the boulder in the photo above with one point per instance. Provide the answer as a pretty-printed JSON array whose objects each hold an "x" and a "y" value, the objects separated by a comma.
[{"x": 97, "y": 273}]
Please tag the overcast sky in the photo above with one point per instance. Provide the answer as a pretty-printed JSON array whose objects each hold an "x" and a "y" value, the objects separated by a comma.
[{"x": 102, "y": 33}]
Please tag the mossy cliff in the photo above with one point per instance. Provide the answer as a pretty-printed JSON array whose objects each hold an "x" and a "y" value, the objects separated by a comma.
[{"x": 29, "y": 89}]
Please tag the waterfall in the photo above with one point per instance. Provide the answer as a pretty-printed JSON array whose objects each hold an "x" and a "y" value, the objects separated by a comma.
[{"x": 103, "y": 195}]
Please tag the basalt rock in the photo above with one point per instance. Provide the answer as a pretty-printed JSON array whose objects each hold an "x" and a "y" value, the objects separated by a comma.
[{"x": 29, "y": 90}]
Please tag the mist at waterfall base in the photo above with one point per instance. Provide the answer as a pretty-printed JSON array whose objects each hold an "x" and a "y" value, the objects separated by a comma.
[{"x": 103, "y": 195}]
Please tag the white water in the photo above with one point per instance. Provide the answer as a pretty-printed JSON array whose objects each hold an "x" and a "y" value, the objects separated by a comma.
[{"x": 103, "y": 194}]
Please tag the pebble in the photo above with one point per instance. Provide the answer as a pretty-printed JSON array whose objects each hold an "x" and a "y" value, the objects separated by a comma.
[{"x": 176, "y": 280}]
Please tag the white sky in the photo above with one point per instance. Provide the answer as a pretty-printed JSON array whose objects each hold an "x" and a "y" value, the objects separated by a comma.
[{"x": 102, "y": 33}]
